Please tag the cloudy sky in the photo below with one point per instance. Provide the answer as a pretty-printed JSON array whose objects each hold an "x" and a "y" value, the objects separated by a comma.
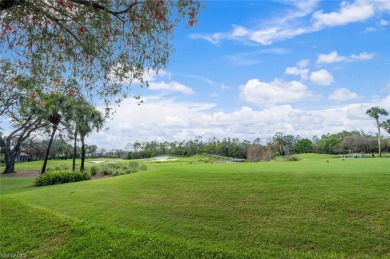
[{"x": 252, "y": 68}]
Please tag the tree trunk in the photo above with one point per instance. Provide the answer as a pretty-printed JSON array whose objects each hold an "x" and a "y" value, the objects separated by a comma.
[
  {"x": 9, "y": 160},
  {"x": 9, "y": 155},
  {"x": 379, "y": 136},
  {"x": 48, "y": 148},
  {"x": 74, "y": 150},
  {"x": 82, "y": 152}
]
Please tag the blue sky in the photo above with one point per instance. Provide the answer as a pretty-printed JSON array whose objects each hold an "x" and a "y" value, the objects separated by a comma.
[{"x": 252, "y": 68}]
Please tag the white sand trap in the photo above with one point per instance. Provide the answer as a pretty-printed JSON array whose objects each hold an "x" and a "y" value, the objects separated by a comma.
[
  {"x": 96, "y": 161},
  {"x": 163, "y": 159}
]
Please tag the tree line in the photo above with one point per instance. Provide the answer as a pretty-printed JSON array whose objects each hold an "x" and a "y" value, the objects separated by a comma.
[{"x": 344, "y": 142}]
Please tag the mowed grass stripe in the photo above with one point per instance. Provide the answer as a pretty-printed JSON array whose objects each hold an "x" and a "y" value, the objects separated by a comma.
[
  {"x": 40, "y": 233},
  {"x": 300, "y": 206}
]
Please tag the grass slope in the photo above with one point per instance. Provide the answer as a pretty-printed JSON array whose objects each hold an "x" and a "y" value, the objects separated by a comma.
[{"x": 309, "y": 208}]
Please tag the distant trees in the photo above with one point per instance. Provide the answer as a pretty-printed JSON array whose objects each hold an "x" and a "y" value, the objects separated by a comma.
[
  {"x": 329, "y": 144},
  {"x": 376, "y": 112},
  {"x": 303, "y": 146},
  {"x": 339, "y": 143},
  {"x": 229, "y": 147},
  {"x": 36, "y": 149}
]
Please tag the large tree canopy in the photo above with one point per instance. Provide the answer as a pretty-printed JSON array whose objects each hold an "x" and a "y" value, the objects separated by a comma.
[{"x": 96, "y": 44}]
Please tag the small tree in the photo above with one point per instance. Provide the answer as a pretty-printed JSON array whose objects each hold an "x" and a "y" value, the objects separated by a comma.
[
  {"x": 88, "y": 120},
  {"x": 21, "y": 106},
  {"x": 56, "y": 105},
  {"x": 11, "y": 144},
  {"x": 375, "y": 112},
  {"x": 303, "y": 146}
]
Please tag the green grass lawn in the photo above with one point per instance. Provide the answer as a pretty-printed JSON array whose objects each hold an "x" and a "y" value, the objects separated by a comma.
[{"x": 320, "y": 206}]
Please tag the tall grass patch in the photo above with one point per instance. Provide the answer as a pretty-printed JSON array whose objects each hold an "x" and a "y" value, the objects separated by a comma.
[{"x": 115, "y": 169}]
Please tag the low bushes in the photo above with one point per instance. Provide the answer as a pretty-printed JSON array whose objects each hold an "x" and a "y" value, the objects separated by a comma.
[
  {"x": 115, "y": 169},
  {"x": 292, "y": 158},
  {"x": 64, "y": 176}
]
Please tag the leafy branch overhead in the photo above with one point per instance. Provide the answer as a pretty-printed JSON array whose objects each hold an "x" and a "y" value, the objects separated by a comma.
[{"x": 99, "y": 43}]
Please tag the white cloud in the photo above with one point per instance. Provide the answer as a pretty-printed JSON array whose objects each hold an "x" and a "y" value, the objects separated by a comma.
[
  {"x": 383, "y": 22},
  {"x": 151, "y": 75},
  {"x": 330, "y": 58},
  {"x": 349, "y": 12},
  {"x": 385, "y": 103},
  {"x": 321, "y": 77},
  {"x": 172, "y": 86},
  {"x": 214, "y": 38},
  {"x": 239, "y": 31},
  {"x": 290, "y": 23},
  {"x": 303, "y": 73},
  {"x": 370, "y": 29},
  {"x": 362, "y": 56},
  {"x": 303, "y": 63},
  {"x": 270, "y": 31},
  {"x": 343, "y": 94},
  {"x": 334, "y": 57},
  {"x": 277, "y": 91},
  {"x": 270, "y": 35},
  {"x": 381, "y": 6},
  {"x": 299, "y": 70}
]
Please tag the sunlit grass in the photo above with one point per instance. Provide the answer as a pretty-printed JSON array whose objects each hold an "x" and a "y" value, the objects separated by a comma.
[{"x": 314, "y": 207}]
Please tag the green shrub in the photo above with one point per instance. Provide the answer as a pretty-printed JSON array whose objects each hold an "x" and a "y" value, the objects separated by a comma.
[
  {"x": 115, "y": 169},
  {"x": 93, "y": 170},
  {"x": 292, "y": 158},
  {"x": 57, "y": 177},
  {"x": 105, "y": 169}
]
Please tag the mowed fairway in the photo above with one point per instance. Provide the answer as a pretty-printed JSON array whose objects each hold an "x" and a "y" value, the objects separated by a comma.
[{"x": 315, "y": 207}]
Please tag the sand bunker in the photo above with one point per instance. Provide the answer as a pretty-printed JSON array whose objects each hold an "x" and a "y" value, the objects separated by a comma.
[{"x": 163, "y": 159}]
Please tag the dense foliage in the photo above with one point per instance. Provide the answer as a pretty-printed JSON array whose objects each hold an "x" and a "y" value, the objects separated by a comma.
[
  {"x": 344, "y": 142},
  {"x": 57, "y": 177},
  {"x": 115, "y": 169},
  {"x": 96, "y": 46}
]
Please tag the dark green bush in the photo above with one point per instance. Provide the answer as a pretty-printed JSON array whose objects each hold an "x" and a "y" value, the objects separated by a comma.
[
  {"x": 57, "y": 177},
  {"x": 292, "y": 158}
]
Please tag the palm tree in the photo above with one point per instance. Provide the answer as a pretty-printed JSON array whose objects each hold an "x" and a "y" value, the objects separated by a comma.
[
  {"x": 55, "y": 119},
  {"x": 386, "y": 126},
  {"x": 374, "y": 112},
  {"x": 87, "y": 120}
]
